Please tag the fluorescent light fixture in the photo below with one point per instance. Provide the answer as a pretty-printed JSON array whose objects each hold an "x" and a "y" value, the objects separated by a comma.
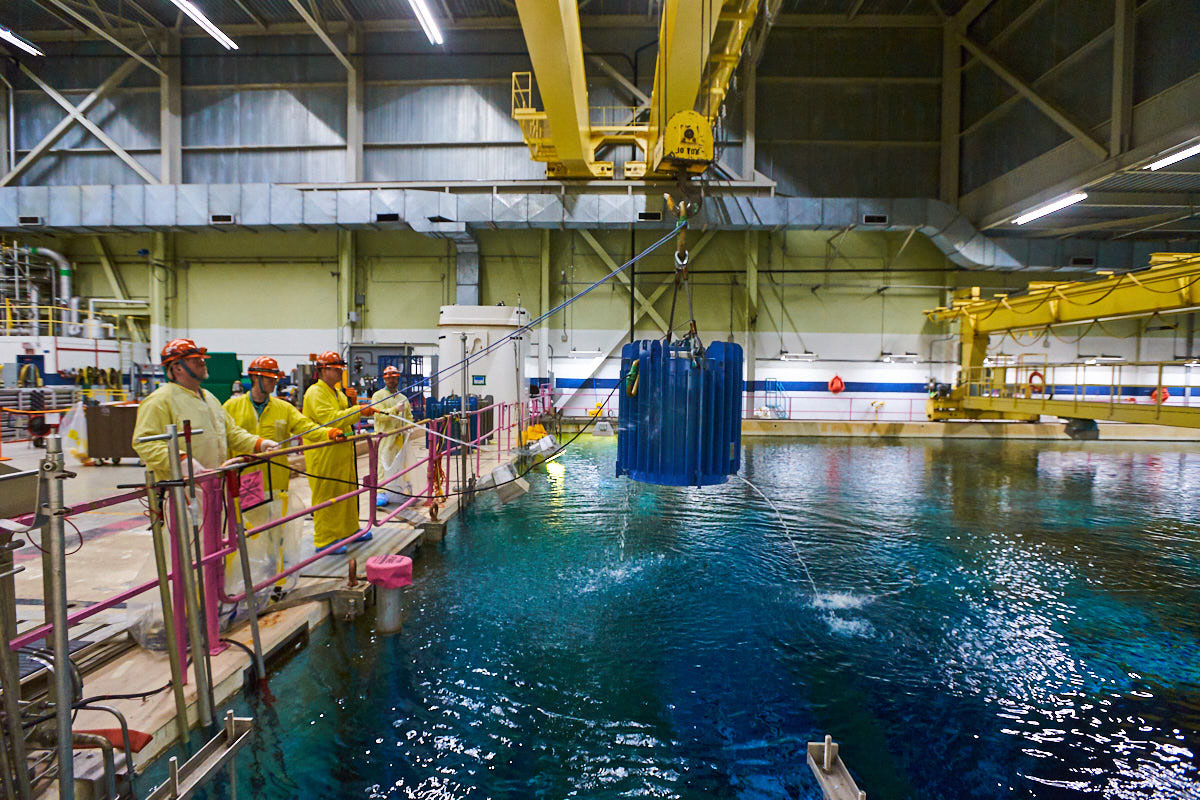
[
  {"x": 189, "y": 8},
  {"x": 899, "y": 358},
  {"x": 1092, "y": 361},
  {"x": 1178, "y": 155},
  {"x": 1050, "y": 208},
  {"x": 1192, "y": 364},
  {"x": 784, "y": 355},
  {"x": 998, "y": 360},
  {"x": 585, "y": 353},
  {"x": 17, "y": 41},
  {"x": 426, "y": 19}
]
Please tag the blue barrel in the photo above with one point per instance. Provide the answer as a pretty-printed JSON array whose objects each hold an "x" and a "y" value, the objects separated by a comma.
[{"x": 680, "y": 421}]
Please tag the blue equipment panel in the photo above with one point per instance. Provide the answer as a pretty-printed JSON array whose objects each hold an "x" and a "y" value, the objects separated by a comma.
[{"x": 680, "y": 417}]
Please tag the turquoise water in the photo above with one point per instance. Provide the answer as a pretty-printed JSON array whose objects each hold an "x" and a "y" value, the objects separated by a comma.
[{"x": 993, "y": 619}]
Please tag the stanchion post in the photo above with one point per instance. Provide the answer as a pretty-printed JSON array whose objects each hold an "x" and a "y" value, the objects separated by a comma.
[
  {"x": 194, "y": 614},
  {"x": 164, "y": 595},
  {"x": 55, "y": 543}
]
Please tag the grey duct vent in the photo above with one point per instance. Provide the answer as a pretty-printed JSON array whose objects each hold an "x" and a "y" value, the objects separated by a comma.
[
  {"x": 875, "y": 219},
  {"x": 649, "y": 216},
  {"x": 30, "y": 220},
  {"x": 1083, "y": 261},
  {"x": 387, "y": 217},
  {"x": 221, "y": 219},
  {"x": 439, "y": 218}
]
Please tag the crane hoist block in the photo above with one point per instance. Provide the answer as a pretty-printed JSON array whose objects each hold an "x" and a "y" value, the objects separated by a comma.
[
  {"x": 679, "y": 418},
  {"x": 688, "y": 142}
]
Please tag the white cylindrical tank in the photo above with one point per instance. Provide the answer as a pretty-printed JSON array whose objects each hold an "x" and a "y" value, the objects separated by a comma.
[{"x": 499, "y": 372}]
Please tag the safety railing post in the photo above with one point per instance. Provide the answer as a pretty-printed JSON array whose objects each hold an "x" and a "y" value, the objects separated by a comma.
[
  {"x": 170, "y": 632},
  {"x": 53, "y": 471},
  {"x": 372, "y": 478},
  {"x": 183, "y": 541},
  {"x": 239, "y": 527}
]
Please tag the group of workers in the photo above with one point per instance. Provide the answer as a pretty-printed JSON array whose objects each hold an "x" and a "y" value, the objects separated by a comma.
[{"x": 257, "y": 421}]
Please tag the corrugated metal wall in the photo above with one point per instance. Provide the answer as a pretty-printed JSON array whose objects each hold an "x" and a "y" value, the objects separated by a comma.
[{"x": 842, "y": 111}]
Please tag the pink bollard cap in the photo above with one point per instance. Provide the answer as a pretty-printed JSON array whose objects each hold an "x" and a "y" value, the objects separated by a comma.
[{"x": 390, "y": 572}]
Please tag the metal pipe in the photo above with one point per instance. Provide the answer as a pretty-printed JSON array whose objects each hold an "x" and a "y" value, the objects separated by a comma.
[
  {"x": 128, "y": 745},
  {"x": 53, "y": 472},
  {"x": 64, "y": 286},
  {"x": 239, "y": 528},
  {"x": 164, "y": 595},
  {"x": 195, "y": 637},
  {"x": 110, "y": 762}
]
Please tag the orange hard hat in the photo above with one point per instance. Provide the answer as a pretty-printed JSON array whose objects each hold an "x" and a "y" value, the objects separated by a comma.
[
  {"x": 329, "y": 359},
  {"x": 182, "y": 348},
  {"x": 266, "y": 367},
  {"x": 390, "y": 371}
]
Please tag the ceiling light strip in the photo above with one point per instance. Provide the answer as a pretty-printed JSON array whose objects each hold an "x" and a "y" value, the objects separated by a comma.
[
  {"x": 205, "y": 23},
  {"x": 1050, "y": 208},
  {"x": 17, "y": 41}
]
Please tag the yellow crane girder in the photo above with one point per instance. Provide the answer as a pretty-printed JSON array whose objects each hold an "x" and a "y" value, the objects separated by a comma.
[
  {"x": 700, "y": 44},
  {"x": 1170, "y": 284}
]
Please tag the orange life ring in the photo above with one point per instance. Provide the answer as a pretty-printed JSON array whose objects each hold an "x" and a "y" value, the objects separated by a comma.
[
  {"x": 836, "y": 384},
  {"x": 1039, "y": 387},
  {"x": 1160, "y": 395}
]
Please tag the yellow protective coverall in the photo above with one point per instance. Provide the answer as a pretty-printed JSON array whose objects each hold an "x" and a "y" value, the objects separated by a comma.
[
  {"x": 280, "y": 420},
  {"x": 278, "y": 546},
  {"x": 390, "y": 414},
  {"x": 172, "y": 404},
  {"x": 334, "y": 464}
]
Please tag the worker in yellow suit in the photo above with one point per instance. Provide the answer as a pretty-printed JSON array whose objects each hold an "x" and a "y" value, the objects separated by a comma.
[
  {"x": 332, "y": 469},
  {"x": 182, "y": 398},
  {"x": 392, "y": 413},
  {"x": 275, "y": 418}
]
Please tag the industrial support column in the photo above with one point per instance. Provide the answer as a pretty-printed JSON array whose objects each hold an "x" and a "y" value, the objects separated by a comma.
[
  {"x": 749, "y": 124},
  {"x": 346, "y": 286},
  {"x": 355, "y": 89},
  {"x": 161, "y": 267},
  {"x": 951, "y": 116},
  {"x": 544, "y": 300},
  {"x": 170, "y": 102},
  {"x": 751, "y": 306}
]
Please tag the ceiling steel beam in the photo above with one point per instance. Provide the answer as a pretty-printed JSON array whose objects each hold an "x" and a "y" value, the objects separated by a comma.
[
  {"x": 1159, "y": 124},
  {"x": 103, "y": 34},
  {"x": 1056, "y": 115},
  {"x": 1122, "y": 79},
  {"x": 970, "y": 12},
  {"x": 860, "y": 21},
  {"x": 1142, "y": 200},
  {"x": 58, "y": 131},
  {"x": 95, "y": 129},
  {"x": 316, "y": 28},
  {"x": 255, "y": 18}
]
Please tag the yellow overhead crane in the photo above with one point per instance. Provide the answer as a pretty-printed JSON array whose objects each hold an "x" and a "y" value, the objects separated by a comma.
[
  {"x": 700, "y": 44},
  {"x": 988, "y": 388}
]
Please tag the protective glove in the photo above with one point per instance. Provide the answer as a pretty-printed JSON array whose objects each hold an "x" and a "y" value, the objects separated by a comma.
[
  {"x": 336, "y": 435},
  {"x": 266, "y": 444},
  {"x": 197, "y": 467},
  {"x": 366, "y": 411},
  {"x": 352, "y": 394}
]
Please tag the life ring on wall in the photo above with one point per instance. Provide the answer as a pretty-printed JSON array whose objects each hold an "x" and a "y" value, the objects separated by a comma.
[
  {"x": 1040, "y": 386},
  {"x": 836, "y": 384},
  {"x": 1160, "y": 395}
]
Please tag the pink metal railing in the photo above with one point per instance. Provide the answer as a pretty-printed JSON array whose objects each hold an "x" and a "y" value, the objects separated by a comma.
[{"x": 219, "y": 491}]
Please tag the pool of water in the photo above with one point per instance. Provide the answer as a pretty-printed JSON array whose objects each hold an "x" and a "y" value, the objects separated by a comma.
[{"x": 991, "y": 619}]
